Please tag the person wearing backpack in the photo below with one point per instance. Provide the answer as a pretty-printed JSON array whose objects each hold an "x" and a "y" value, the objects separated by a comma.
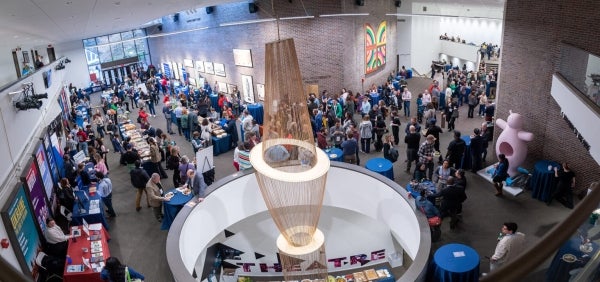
[{"x": 366, "y": 132}]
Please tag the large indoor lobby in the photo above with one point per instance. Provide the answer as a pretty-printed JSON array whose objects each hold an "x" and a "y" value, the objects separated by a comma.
[{"x": 247, "y": 94}]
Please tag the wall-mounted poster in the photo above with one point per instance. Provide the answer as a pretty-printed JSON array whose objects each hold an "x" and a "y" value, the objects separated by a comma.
[
  {"x": 222, "y": 87},
  {"x": 199, "y": 67},
  {"x": 233, "y": 90},
  {"x": 208, "y": 68},
  {"x": 242, "y": 57},
  {"x": 40, "y": 157},
  {"x": 167, "y": 69},
  {"x": 219, "y": 69},
  {"x": 192, "y": 81},
  {"x": 36, "y": 194},
  {"x": 175, "y": 69},
  {"x": 188, "y": 63},
  {"x": 260, "y": 91},
  {"x": 375, "y": 47},
  {"x": 19, "y": 221},
  {"x": 247, "y": 89}
]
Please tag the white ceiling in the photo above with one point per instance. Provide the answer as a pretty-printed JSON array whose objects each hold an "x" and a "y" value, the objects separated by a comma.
[{"x": 42, "y": 22}]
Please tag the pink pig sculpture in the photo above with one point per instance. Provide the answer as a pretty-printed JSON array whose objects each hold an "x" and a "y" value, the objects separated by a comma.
[{"x": 512, "y": 141}]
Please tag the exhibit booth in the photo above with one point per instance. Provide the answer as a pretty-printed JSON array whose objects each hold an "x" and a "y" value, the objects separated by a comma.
[{"x": 368, "y": 221}]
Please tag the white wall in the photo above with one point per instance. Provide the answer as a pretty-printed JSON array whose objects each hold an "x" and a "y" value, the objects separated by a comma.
[
  {"x": 77, "y": 71},
  {"x": 473, "y": 30},
  {"x": 425, "y": 44},
  {"x": 579, "y": 113}
]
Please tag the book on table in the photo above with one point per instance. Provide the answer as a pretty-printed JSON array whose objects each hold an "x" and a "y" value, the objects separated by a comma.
[{"x": 75, "y": 268}]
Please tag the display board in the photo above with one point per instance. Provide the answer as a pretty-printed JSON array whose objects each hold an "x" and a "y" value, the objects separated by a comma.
[
  {"x": 247, "y": 89},
  {"x": 167, "y": 70},
  {"x": 204, "y": 159},
  {"x": 242, "y": 57},
  {"x": 19, "y": 221},
  {"x": 219, "y": 69},
  {"x": 44, "y": 169},
  {"x": 37, "y": 195}
]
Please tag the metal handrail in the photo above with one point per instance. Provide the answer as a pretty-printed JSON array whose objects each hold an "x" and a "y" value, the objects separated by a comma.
[{"x": 547, "y": 246}]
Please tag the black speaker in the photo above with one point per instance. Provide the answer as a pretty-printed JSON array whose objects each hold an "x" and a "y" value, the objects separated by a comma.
[
  {"x": 176, "y": 17},
  {"x": 360, "y": 2},
  {"x": 210, "y": 9},
  {"x": 398, "y": 3},
  {"x": 252, "y": 8}
]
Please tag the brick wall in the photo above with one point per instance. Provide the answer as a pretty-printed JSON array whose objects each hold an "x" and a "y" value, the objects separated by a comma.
[
  {"x": 530, "y": 55},
  {"x": 330, "y": 50}
]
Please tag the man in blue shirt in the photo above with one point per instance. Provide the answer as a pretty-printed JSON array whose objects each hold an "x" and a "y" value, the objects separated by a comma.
[
  {"x": 104, "y": 189},
  {"x": 350, "y": 149}
]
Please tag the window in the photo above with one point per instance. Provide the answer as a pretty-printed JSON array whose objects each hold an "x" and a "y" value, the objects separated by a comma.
[
  {"x": 89, "y": 42},
  {"x": 104, "y": 54},
  {"x": 126, "y": 35},
  {"x": 91, "y": 55},
  {"x": 114, "y": 37},
  {"x": 139, "y": 33},
  {"x": 117, "y": 51},
  {"x": 141, "y": 46},
  {"x": 129, "y": 49},
  {"x": 101, "y": 40}
]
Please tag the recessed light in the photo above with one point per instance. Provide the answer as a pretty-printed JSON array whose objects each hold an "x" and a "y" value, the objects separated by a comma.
[{"x": 15, "y": 36}]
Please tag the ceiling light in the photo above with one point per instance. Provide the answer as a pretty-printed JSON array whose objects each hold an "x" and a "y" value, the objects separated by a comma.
[
  {"x": 297, "y": 18},
  {"x": 247, "y": 22},
  {"x": 69, "y": 2},
  {"x": 344, "y": 15},
  {"x": 117, "y": 3}
]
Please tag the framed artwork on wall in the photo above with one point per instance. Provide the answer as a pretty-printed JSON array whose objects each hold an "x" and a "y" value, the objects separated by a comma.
[
  {"x": 199, "y": 66},
  {"x": 375, "y": 47},
  {"x": 188, "y": 63},
  {"x": 247, "y": 89},
  {"x": 175, "y": 70},
  {"x": 219, "y": 69},
  {"x": 208, "y": 68},
  {"x": 242, "y": 57},
  {"x": 233, "y": 89},
  {"x": 222, "y": 87},
  {"x": 192, "y": 81},
  {"x": 260, "y": 91}
]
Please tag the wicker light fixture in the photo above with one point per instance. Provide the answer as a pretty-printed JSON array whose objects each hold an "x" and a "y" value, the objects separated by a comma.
[{"x": 290, "y": 171}]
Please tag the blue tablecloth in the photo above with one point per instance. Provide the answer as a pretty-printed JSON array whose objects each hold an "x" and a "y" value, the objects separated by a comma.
[
  {"x": 257, "y": 112},
  {"x": 409, "y": 73},
  {"x": 381, "y": 166},
  {"x": 559, "y": 268},
  {"x": 172, "y": 207},
  {"x": 396, "y": 84},
  {"x": 184, "y": 89},
  {"x": 466, "y": 159},
  {"x": 430, "y": 186},
  {"x": 82, "y": 212},
  {"x": 542, "y": 180},
  {"x": 214, "y": 102},
  {"x": 221, "y": 145},
  {"x": 374, "y": 99},
  {"x": 335, "y": 154},
  {"x": 448, "y": 268}
]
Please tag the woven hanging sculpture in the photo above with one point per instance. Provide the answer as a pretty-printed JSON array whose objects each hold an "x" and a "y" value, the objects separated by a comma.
[{"x": 290, "y": 171}]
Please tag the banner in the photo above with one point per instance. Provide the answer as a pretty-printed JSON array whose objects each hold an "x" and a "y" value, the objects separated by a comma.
[
  {"x": 36, "y": 194},
  {"x": 45, "y": 172},
  {"x": 20, "y": 226}
]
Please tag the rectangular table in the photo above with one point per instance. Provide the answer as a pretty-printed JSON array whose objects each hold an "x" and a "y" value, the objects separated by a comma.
[
  {"x": 81, "y": 209},
  {"x": 75, "y": 251},
  {"x": 221, "y": 145}
]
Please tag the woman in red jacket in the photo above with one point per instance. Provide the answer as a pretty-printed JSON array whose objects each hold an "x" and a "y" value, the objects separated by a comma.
[{"x": 142, "y": 116}]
